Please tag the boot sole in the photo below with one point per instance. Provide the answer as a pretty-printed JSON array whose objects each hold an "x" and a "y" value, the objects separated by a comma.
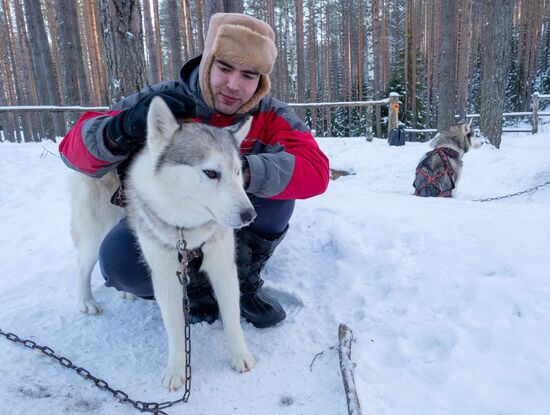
[{"x": 266, "y": 325}]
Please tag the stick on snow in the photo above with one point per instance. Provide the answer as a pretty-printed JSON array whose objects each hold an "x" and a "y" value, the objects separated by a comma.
[{"x": 345, "y": 336}]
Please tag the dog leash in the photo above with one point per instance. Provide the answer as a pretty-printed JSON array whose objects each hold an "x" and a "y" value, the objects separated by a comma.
[
  {"x": 532, "y": 189},
  {"x": 185, "y": 255}
]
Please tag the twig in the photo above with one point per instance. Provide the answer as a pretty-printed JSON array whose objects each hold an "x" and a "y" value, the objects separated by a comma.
[
  {"x": 313, "y": 361},
  {"x": 345, "y": 336},
  {"x": 316, "y": 356},
  {"x": 46, "y": 151}
]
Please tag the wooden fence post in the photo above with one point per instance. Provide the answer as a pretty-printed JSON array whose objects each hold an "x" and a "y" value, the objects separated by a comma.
[
  {"x": 535, "y": 121},
  {"x": 393, "y": 112}
]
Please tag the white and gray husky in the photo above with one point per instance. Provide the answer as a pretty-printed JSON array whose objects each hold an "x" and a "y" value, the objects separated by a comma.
[
  {"x": 188, "y": 177},
  {"x": 439, "y": 171}
]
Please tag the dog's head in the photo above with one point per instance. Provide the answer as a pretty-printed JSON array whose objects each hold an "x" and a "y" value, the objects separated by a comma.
[
  {"x": 197, "y": 168},
  {"x": 459, "y": 137}
]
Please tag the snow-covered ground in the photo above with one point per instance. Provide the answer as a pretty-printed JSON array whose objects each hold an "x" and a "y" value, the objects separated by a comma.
[{"x": 448, "y": 299}]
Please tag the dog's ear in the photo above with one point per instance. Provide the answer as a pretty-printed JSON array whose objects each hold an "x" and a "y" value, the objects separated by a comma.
[
  {"x": 465, "y": 129},
  {"x": 161, "y": 124},
  {"x": 240, "y": 131}
]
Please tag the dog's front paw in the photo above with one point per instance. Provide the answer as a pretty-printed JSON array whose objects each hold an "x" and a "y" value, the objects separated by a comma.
[
  {"x": 173, "y": 377},
  {"x": 89, "y": 306},
  {"x": 242, "y": 362}
]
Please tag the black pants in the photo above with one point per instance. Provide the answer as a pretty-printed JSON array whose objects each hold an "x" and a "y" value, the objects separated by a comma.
[{"x": 120, "y": 255}]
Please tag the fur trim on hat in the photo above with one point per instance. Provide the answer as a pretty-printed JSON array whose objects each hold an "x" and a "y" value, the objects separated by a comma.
[{"x": 244, "y": 40}]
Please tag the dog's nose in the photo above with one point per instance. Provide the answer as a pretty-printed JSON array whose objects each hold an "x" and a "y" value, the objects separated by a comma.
[{"x": 248, "y": 215}]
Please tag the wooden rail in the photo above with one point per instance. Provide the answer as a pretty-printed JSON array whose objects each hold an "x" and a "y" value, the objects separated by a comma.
[
  {"x": 392, "y": 102},
  {"x": 534, "y": 114}
]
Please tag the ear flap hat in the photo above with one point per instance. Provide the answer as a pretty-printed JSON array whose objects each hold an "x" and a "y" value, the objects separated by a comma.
[{"x": 242, "y": 39}]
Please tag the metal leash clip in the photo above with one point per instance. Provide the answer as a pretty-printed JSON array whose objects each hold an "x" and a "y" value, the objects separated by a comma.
[{"x": 184, "y": 257}]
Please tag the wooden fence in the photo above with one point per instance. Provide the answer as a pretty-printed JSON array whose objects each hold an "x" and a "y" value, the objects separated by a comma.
[
  {"x": 392, "y": 102},
  {"x": 534, "y": 114},
  {"x": 393, "y": 99}
]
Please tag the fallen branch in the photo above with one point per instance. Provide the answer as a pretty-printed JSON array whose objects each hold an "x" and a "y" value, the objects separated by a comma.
[{"x": 345, "y": 336}]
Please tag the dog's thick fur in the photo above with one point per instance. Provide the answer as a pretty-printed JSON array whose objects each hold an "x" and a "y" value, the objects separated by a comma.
[
  {"x": 168, "y": 187},
  {"x": 459, "y": 138}
]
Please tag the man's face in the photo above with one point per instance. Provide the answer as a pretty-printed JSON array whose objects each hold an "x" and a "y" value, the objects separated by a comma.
[{"x": 232, "y": 85}]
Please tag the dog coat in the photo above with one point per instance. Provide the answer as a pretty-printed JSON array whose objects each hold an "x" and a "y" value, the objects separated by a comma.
[{"x": 435, "y": 183}]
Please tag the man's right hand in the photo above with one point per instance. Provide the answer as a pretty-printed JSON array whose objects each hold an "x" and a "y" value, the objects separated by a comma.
[{"x": 126, "y": 130}]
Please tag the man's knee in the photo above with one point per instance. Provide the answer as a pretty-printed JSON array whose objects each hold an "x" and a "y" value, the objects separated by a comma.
[
  {"x": 121, "y": 264},
  {"x": 273, "y": 216}
]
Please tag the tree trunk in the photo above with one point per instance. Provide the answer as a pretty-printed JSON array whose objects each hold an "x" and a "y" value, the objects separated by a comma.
[
  {"x": 200, "y": 24},
  {"x": 7, "y": 126},
  {"x": 275, "y": 87},
  {"x": 158, "y": 40},
  {"x": 174, "y": 38},
  {"x": 477, "y": 22},
  {"x": 95, "y": 54},
  {"x": 329, "y": 71},
  {"x": 376, "y": 61},
  {"x": 22, "y": 51},
  {"x": 73, "y": 83},
  {"x": 189, "y": 41},
  {"x": 464, "y": 29},
  {"x": 150, "y": 41},
  {"x": 447, "y": 68},
  {"x": 495, "y": 62},
  {"x": 233, "y": 6},
  {"x": 221, "y": 6},
  {"x": 123, "y": 40},
  {"x": 436, "y": 56},
  {"x": 43, "y": 68},
  {"x": 312, "y": 62},
  {"x": 360, "y": 53},
  {"x": 430, "y": 25},
  {"x": 300, "y": 64}
]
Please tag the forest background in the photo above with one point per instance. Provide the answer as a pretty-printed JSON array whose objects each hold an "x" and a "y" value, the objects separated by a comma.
[{"x": 445, "y": 58}]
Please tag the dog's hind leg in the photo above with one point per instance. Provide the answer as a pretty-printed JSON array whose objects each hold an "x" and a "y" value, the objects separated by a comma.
[
  {"x": 87, "y": 255},
  {"x": 219, "y": 264},
  {"x": 92, "y": 217}
]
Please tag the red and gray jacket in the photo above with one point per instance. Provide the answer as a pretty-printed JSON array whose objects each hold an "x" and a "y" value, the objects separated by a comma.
[{"x": 284, "y": 159}]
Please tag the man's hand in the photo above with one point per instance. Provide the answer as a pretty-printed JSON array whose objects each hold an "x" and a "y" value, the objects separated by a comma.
[
  {"x": 126, "y": 130},
  {"x": 246, "y": 172},
  {"x": 246, "y": 177}
]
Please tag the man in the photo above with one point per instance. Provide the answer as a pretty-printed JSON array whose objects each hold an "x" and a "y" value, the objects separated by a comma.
[{"x": 281, "y": 160}]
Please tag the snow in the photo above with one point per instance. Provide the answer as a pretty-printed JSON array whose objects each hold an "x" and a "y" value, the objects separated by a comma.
[{"x": 448, "y": 299}]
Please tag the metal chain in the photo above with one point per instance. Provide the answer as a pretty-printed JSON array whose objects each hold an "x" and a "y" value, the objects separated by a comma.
[
  {"x": 513, "y": 194},
  {"x": 152, "y": 407},
  {"x": 184, "y": 255}
]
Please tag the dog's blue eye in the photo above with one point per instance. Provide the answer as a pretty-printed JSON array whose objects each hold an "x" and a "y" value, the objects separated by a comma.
[{"x": 212, "y": 174}]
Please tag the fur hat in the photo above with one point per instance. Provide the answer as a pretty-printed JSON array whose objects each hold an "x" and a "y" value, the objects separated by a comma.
[{"x": 241, "y": 39}]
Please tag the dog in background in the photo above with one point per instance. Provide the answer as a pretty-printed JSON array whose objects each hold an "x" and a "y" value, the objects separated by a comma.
[
  {"x": 439, "y": 171},
  {"x": 186, "y": 183}
]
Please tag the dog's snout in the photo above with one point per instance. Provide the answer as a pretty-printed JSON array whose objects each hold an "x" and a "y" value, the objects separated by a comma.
[{"x": 248, "y": 215}]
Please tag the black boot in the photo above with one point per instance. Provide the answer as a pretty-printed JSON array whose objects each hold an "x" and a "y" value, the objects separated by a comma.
[
  {"x": 202, "y": 303},
  {"x": 252, "y": 254}
]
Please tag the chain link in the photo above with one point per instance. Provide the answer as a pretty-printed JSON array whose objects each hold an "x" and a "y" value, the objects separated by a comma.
[
  {"x": 513, "y": 194},
  {"x": 185, "y": 255},
  {"x": 151, "y": 407}
]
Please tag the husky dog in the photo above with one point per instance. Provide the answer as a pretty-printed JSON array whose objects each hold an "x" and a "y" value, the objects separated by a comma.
[
  {"x": 439, "y": 170},
  {"x": 186, "y": 181}
]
